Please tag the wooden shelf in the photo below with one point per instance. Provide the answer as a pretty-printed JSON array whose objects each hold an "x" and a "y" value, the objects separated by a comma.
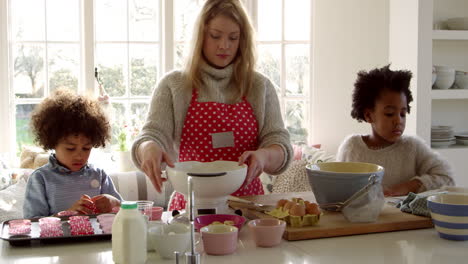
[
  {"x": 450, "y": 94},
  {"x": 450, "y": 34}
]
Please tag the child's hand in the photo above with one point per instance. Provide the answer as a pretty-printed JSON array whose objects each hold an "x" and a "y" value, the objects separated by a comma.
[
  {"x": 83, "y": 206},
  {"x": 105, "y": 202},
  {"x": 403, "y": 188}
]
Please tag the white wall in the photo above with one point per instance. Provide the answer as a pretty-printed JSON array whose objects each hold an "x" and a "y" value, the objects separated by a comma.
[{"x": 348, "y": 36}]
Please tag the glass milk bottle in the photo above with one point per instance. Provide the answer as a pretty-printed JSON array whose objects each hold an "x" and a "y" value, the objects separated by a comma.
[{"x": 129, "y": 235}]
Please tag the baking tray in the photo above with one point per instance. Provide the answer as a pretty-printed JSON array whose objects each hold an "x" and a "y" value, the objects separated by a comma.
[{"x": 34, "y": 238}]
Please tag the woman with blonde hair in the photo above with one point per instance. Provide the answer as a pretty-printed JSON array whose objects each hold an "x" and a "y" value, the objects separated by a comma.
[{"x": 217, "y": 107}]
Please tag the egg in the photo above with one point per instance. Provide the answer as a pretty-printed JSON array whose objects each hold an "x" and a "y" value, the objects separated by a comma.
[
  {"x": 288, "y": 205},
  {"x": 281, "y": 203},
  {"x": 298, "y": 210},
  {"x": 313, "y": 208}
]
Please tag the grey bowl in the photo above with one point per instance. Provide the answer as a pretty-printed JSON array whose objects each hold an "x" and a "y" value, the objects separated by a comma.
[{"x": 334, "y": 182}]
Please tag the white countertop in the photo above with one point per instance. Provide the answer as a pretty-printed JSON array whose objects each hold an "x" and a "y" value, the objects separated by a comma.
[{"x": 415, "y": 246}]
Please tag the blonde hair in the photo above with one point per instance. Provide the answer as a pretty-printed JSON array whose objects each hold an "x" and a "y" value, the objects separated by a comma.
[{"x": 244, "y": 62}]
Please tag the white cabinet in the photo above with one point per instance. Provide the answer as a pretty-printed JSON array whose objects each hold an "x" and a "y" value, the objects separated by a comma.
[{"x": 415, "y": 45}]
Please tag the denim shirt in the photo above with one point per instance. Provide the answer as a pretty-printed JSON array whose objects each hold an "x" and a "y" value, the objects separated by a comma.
[{"x": 53, "y": 188}]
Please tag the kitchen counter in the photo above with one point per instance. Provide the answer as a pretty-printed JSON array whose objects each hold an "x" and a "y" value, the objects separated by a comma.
[{"x": 414, "y": 246}]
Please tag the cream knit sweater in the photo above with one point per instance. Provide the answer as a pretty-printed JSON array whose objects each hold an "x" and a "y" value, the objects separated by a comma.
[
  {"x": 408, "y": 158},
  {"x": 170, "y": 102}
]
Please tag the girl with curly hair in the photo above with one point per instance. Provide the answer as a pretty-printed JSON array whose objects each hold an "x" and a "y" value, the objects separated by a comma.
[
  {"x": 382, "y": 98},
  {"x": 71, "y": 125}
]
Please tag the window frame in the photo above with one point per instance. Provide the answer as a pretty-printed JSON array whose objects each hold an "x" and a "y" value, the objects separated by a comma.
[{"x": 167, "y": 44}]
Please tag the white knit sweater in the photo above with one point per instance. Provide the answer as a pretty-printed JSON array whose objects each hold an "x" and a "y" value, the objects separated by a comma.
[
  {"x": 171, "y": 99},
  {"x": 408, "y": 158}
]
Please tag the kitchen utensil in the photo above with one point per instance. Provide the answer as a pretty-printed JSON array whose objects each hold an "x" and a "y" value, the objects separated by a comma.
[
  {"x": 213, "y": 182},
  {"x": 251, "y": 205},
  {"x": 340, "y": 205},
  {"x": 334, "y": 182}
]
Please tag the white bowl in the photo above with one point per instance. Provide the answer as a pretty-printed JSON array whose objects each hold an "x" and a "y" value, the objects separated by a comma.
[
  {"x": 461, "y": 80},
  {"x": 443, "y": 68},
  {"x": 444, "y": 81},
  {"x": 227, "y": 177},
  {"x": 449, "y": 214},
  {"x": 457, "y": 23},
  {"x": 169, "y": 238}
]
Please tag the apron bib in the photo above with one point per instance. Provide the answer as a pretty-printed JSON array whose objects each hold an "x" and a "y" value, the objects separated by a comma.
[{"x": 217, "y": 131}]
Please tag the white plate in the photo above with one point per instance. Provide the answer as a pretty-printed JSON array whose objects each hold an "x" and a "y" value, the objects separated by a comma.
[
  {"x": 462, "y": 141},
  {"x": 463, "y": 135},
  {"x": 437, "y": 144},
  {"x": 442, "y": 139}
]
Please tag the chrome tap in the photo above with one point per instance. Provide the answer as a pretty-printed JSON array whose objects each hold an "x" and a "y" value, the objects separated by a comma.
[{"x": 191, "y": 257}]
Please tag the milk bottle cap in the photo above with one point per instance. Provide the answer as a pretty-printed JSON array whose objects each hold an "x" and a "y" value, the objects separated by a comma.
[{"x": 128, "y": 205}]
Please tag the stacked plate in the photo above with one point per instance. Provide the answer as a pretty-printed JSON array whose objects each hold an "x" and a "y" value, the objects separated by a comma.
[
  {"x": 442, "y": 136},
  {"x": 462, "y": 138}
]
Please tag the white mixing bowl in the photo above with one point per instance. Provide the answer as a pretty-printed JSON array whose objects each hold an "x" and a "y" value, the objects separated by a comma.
[{"x": 226, "y": 178}]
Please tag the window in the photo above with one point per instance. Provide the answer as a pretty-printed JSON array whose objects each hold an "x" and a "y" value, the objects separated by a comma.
[{"x": 132, "y": 43}]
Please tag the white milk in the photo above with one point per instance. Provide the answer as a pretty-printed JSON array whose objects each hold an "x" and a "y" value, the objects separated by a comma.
[{"x": 129, "y": 235}]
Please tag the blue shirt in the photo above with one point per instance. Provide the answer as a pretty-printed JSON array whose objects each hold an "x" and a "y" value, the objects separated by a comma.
[{"x": 53, "y": 188}]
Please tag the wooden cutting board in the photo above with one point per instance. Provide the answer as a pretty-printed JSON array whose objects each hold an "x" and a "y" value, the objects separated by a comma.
[{"x": 333, "y": 224}]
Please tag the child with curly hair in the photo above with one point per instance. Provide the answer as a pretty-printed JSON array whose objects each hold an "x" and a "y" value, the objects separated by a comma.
[
  {"x": 71, "y": 125},
  {"x": 382, "y": 98}
]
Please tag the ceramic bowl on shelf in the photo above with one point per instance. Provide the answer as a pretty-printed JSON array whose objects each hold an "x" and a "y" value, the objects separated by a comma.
[
  {"x": 445, "y": 77},
  {"x": 461, "y": 80},
  {"x": 449, "y": 212},
  {"x": 457, "y": 23}
]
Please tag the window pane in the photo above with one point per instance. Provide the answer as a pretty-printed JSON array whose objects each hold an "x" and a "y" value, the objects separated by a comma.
[
  {"x": 269, "y": 62},
  {"x": 269, "y": 19},
  {"x": 296, "y": 121},
  {"x": 144, "y": 68},
  {"x": 29, "y": 71},
  {"x": 64, "y": 70},
  {"x": 185, "y": 12},
  {"x": 137, "y": 118},
  {"x": 144, "y": 20},
  {"x": 63, "y": 20},
  {"x": 297, "y": 69},
  {"x": 111, "y": 20},
  {"x": 297, "y": 19},
  {"x": 117, "y": 120},
  {"x": 180, "y": 54},
  {"x": 112, "y": 67},
  {"x": 23, "y": 131},
  {"x": 28, "y": 20}
]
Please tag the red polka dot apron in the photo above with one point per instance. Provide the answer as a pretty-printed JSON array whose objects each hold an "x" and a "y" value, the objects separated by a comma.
[{"x": 204, "y": 122}]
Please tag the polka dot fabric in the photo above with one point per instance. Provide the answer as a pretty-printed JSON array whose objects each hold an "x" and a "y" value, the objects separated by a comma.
[{"x": 206, "y": 118}]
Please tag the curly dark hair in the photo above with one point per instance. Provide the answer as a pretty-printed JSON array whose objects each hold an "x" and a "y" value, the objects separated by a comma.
[
  {"x": 370, "y": 85},
  {"x": 65, "y": 113}
]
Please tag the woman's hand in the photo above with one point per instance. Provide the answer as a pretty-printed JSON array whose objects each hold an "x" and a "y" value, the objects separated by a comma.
[
  {"x": 403, "y": 188},
  {"x": 151, "y": 158},
  {"x": 83, "y": 206},
  {"x": 267, "y": 159},
  {"x": 105, "y": 202},
  {"x": 256, "y": 161}
]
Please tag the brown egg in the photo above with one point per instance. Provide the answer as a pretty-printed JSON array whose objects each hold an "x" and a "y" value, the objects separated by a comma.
[
  {"x": 281, "y": 203},
  {"x": 297, "y": 199},
  {"x": 288, "y": 205},
  {"x": 297, "y": 210},
  {"x": 313, "y": 208}
]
